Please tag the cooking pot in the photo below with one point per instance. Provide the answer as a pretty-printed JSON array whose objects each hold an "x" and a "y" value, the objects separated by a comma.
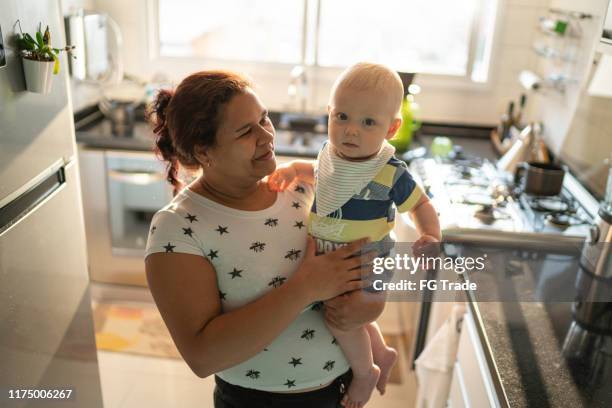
[
  {"x": 541, "y": 179},
  {"x": 118, "y": 103}
]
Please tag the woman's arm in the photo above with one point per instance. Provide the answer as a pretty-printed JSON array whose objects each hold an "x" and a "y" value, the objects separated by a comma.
[{"x": 185, "y": 290}]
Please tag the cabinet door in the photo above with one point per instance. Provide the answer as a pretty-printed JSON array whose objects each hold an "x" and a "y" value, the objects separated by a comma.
[{"x": 474, "y": 372}]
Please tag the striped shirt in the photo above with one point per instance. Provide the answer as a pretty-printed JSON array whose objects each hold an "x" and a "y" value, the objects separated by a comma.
[{"x": 369, "y": 213}]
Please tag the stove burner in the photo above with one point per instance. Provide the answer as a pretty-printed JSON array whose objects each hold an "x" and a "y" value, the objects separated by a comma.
[
  {"x": 559, "y": 220},
  {"x": 553, "y": 204},
  {"x": 563, "y": 220}
]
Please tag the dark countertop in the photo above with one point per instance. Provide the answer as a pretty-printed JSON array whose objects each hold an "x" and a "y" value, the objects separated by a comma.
[{"x": 523, "y": 340}]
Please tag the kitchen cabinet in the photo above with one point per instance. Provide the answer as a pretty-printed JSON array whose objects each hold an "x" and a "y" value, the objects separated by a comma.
[{"x": 472, "y": 385}]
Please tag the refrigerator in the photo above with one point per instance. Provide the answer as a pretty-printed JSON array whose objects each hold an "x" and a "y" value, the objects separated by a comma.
[{"x": 47, "y": 336}]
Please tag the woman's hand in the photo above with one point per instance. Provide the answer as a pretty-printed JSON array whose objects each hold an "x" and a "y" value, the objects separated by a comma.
[
  {"x": 354, "y": 309},
  {"x": 282, "y": 177},
  {"x": 333, "y": 273}
]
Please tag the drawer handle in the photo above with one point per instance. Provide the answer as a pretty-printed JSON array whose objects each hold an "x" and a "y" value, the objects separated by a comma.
[{"x": 140, "y": 178}]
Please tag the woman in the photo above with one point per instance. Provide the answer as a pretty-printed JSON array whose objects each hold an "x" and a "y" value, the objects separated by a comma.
[{"x": 229, "y": 263}]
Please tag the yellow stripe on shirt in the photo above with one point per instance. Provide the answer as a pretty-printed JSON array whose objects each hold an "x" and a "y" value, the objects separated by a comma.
[
  {"x": 411, "y": 201},
  {"x": 342, "y": 230}
]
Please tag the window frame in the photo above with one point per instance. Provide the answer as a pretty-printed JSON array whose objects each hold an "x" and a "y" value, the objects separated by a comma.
[{"x": 323, "y": 74}]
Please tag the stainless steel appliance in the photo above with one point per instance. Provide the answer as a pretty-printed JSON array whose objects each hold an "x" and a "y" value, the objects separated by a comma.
[
  {"x": 46, "y": 326},
  {"x": 121, "y": 192},
  {"x": 588, "y": 343},
  {"x": 98, "y": 43}
]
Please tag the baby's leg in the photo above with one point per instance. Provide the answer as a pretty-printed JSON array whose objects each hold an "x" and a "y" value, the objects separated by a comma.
[
  {"x": 355, "y": 345},
  {"x": 384, "y": 357}
]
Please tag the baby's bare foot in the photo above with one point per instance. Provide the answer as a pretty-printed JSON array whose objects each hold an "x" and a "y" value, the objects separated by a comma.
[
  {"x": 386, "y": 363},
  {"x": 361, "y": 388}
]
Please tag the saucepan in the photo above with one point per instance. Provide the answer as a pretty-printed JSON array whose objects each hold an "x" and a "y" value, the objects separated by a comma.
[
  {"x": 541, "y": 179},
  {"x": 119, "y": 102}
]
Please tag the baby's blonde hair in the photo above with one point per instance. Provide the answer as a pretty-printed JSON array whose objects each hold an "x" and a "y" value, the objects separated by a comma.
[{"x": 365, "y": 76}]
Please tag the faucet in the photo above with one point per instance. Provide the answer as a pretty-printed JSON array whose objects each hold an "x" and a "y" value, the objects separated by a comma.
[{"x": 297, "y": 89}]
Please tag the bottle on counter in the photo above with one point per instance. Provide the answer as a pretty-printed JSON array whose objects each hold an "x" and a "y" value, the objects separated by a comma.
[
  {"x": 409, "y": 110},
  {"x": 517, "y": 121},
  {"x": 506, "y": 123}
]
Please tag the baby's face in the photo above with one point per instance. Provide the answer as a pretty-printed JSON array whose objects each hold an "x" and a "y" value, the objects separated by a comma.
[{"x": 359, "y": 122}]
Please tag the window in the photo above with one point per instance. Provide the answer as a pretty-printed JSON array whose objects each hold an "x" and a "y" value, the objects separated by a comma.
[
  {"x": 244, "y": 30},
  {"x": 445, "y": 37}
]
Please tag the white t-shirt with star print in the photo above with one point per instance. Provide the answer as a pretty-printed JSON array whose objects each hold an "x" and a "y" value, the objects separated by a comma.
[{"x": 254, "y": 252}]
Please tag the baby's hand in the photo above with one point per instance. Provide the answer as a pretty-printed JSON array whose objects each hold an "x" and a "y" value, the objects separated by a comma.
[
  {"x": 427, "y": 246},
  {"x": 282, "y": 177}
]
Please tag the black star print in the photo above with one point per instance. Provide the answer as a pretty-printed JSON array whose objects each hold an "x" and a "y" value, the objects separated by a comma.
[
  {"x": 317, "y": 306},
  {"x": 300, "y": 189},
  {"x": 307, "y": 334},
  {"x": 293, "y": 254},
  {"x": 299, "y": 224},
  {"x": 296, "y": 204},
  {"x": 188, "y": 231},
  {"x": 290, "y": 383},
  {"x": 191, "y": 218},
  {"x": 253, "y": 374},
  {"x": 169, "y": 247},
  {"x": 212, "y": 254},
  {"x": 277, "y": 281},
  {"x": 222, "y": 230},
  {"x": 258, "y": 246},
  {"x": 271, "y": 222},
  {"x": 236, "y": 273},
  {"x": 334, "y": 341},
  {"x": 295, "y": 361},
  {"x": 329, "y": 365},
  {"x": 222, "y": 295},
  {"x": 153, "y": 229}
]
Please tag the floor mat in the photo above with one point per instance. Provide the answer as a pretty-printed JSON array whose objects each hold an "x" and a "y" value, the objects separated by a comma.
[{"x": 132, "y": 328}]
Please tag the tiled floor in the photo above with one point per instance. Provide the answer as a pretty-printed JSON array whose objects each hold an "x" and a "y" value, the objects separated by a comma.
[{"x": 130, "y": 380}]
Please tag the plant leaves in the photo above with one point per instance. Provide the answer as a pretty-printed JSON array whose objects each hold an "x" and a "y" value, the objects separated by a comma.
[
  {"x": 39, "y": 39},
  {"x": 27, "y": 37}
]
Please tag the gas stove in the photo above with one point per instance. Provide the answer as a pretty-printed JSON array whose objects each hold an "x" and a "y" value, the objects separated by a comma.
[{"x": 478, "y": 203}]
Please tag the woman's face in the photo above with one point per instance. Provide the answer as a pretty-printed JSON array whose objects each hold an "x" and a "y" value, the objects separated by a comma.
[{"x": 245, "y": 141}]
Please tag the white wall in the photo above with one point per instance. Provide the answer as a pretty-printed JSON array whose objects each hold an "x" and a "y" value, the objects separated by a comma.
[{"x": 440, "y": 100}]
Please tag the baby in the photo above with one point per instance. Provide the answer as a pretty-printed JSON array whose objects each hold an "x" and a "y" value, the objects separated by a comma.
[{"x": 357, "y": 181}]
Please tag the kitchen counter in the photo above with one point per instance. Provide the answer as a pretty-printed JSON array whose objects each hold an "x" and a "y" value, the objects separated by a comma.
[
  {"x": 523, "y": 311},
  {"x": 522, "y": 335}
]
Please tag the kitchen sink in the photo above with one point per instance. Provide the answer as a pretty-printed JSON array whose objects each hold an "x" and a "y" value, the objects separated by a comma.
[{"x": 297, "y": 134}]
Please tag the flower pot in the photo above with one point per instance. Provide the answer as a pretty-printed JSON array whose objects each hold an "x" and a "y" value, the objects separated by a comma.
[{"x": 38, "y": 75}]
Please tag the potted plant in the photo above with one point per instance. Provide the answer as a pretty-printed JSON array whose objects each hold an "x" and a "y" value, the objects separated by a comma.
[{"x": 40, "y": 60}]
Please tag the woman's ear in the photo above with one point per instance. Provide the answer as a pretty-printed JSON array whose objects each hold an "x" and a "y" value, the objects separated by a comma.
[
  {"x": 395, "y": 125},
  {"x": 202, "y": 155}
]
